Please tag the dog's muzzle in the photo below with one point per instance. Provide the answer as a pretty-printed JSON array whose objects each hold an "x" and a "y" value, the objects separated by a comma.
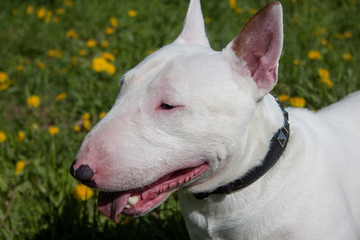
[{"x": 83, "y": 174}]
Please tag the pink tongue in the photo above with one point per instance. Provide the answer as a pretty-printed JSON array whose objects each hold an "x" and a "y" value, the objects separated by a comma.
[{"x": 112, "y": 204}]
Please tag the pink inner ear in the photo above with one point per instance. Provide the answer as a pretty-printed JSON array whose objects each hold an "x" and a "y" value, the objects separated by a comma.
[{"x": 259, "y": 44}]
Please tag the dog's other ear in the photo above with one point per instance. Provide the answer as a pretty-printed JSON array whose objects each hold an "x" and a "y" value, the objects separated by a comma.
[
  {"x": 194, "y": 29},
  {"x": 258, "y": 46}
]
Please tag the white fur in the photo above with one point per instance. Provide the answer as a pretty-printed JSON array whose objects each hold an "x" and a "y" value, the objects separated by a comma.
[{"x": 312, "y": 192}]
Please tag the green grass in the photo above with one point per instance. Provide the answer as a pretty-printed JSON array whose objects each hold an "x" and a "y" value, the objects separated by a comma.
[{"x": 38, "y": 203}]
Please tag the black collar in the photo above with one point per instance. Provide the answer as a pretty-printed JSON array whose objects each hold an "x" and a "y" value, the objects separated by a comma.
[{"x": 277, "y": 146}]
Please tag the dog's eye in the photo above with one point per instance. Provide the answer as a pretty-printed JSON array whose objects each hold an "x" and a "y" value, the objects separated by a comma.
[{"x": 165, "y": 106}]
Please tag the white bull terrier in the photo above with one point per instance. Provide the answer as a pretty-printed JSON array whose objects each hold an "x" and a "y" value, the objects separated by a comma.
[{"x": 203, "y": 122}]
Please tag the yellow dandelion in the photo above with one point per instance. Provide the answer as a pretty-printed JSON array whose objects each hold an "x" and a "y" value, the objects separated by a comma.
[
  {"x": 323, "y": 73},
  {"x": 55, "y": 53},
  {"x": 232, "y": 4},
  {"x": 76, "y": 128},
  {"x": 252, "y": 11},
  {"x": 320, "y": 30},
  {"x": 2, "y": 136},
  {"x": 74, "y": 60},
  {"x": 5, "y": 82},
  {"x": 238, "y": 10},
  {"x": 72, "y": 34},
  {"x": 4, "y": 86},
  {"x": 327, "y": 82},
  {"x": 20, "y": 67},
  {"x": 338, "y": 36},
  {"x": 348, "y": 57},
  {"x": 87, "y": 124},
  {"x": 53, "y": 130},
  {"x": 104, "y": 44},
  {"x": 347, "y": 34},
  {"x": 208, "y": 20},
  {"x": 56, "y": 19},
  {"x": 283, "y": 97},
  {"x": 29, "y": 9},
  {"x": 110, "y": 69},
  {"x": 99, "y": 64},
  {"x": 102, "y": 115},
  {"x": 109, "y": 30},
  {"x": 91, "y": 43},
  {"x": 314, "y": 55},
  {"x": 82, "y": 192},
  {"x": 41, "y": 12},
  {"x": 82, "y": 52},
  {"x": 150, "y": 52},
  {"x": 296, "y": 62},
  {"x": 48, "y": 16},
  {"x": 59, "y": 11},
  {"x": 108, "y": 56},
  {"x": 3, "y": 77},
  {"x": 33, "y": 101},
  {"x": 113, "y": 22},
  {"x": 20, "y": 165},
  {"x": 297, "y": 102},
  {"x": 132, "y": 13},
  {"x": 60, "y": 96},
  {"x": 325, "y": 77},
  {"x": 68, "y": 3},
  {"x": 86, "y": 116},
  {"x": 20, "y": 136},
  {"x": 41, "y": 64}
]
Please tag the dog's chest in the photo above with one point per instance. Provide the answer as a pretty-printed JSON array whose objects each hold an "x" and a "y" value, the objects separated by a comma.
[
  {"x": 227, "y": 221},
  {"x": 230, "y": 228}
]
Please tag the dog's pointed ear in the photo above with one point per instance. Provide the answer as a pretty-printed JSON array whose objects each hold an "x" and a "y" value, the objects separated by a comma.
[
  {"x": 258, "y": 46},
  {"x": 193, "y": 30}
]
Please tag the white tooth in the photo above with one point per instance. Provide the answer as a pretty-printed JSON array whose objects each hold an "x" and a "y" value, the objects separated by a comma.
[
  {"x": 133, "y": 200},
  {"x": 127, "y": 206}
]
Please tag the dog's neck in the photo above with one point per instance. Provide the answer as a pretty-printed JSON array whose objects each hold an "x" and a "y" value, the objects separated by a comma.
[{"x": 277, "y": 146}]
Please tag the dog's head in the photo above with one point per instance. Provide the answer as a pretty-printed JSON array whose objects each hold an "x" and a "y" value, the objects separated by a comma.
[{"x": 182, "y": 116}]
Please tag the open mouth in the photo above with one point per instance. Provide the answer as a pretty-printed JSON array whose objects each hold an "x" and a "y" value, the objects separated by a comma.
[{"x": 137, "y": 202}]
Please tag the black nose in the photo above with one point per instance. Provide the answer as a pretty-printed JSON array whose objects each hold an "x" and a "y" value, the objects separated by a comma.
[{"x": 83, "y": 174}]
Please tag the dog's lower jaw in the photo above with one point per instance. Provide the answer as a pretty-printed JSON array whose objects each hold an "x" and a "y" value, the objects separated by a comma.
[{"x": 137, "y": 202}]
